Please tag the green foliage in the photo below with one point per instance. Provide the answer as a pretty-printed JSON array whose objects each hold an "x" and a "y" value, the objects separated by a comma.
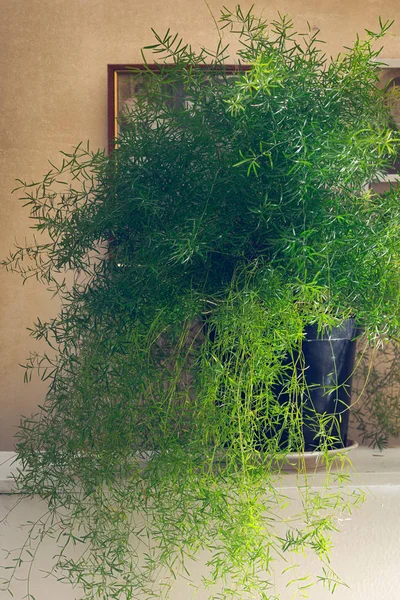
[{"x": 188, "y": 263}]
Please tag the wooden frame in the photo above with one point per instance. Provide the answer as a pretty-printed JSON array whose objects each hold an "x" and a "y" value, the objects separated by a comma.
[
  {"x": 390, "y": 71},
  {"x": 116, "y": 73}
]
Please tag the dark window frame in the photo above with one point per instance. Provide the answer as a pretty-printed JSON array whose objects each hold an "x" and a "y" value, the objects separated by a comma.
[{"x": 113, "y": 70}]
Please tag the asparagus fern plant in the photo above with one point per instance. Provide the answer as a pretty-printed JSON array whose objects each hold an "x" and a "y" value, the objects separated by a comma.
[{"x": 243, "y": 206}]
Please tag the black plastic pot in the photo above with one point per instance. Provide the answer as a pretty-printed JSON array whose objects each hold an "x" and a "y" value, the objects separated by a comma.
[
  {"x": 326, "y": 364},
  {"x": 329, "y": 362}
]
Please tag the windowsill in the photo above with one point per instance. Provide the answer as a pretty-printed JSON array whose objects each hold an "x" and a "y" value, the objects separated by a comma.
[
  {"x": 370, "y": 468},
  {"x": 387, "y": 178}
]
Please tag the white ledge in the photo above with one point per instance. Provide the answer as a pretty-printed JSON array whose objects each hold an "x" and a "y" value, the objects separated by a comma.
[
  {"x": 387, "y": 178},
  {"x": 370, "y": 468},
  {"x": 8, "y": 467},
  {"x": 388, "y": 63}
]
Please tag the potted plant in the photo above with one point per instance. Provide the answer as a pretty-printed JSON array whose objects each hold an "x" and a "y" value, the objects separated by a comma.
[{"x": 243, "y": 205}]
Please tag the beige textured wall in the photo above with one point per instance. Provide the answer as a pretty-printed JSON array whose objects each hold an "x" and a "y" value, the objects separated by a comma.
[{"x": 53, "y": 57}]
